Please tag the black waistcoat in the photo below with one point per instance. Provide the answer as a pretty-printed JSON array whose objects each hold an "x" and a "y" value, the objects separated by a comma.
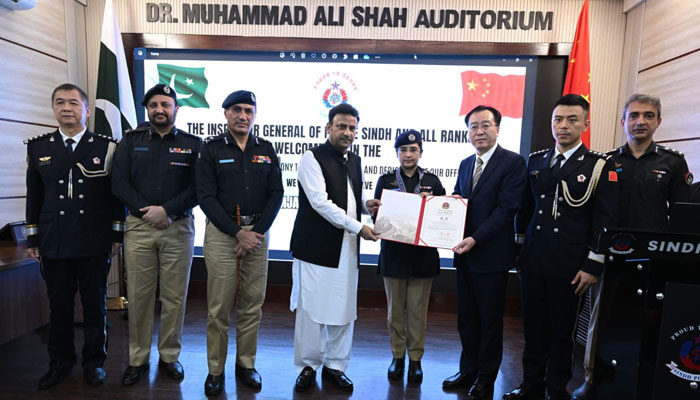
[{"x": 314, "y": 239}]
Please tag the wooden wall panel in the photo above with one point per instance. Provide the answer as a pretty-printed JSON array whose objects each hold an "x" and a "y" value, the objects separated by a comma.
[
  {"x": 630, "y": 62},
  {"x": 28, "y": 80},
  {"x": 671, "y": 29},
  {"x": 607, "y": 29},
  {"x": 13, "y": 162},
  {"x": 676, "y": 84},
  {"x": 42, "y": 28},
  {"x": 11, "y": 210}
]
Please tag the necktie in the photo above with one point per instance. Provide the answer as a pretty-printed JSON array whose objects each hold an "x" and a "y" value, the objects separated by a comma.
[
  {"x": 557, "y": 164},
  {"x": 477, "y": 171},
  {"x": 69, "y": 146}
]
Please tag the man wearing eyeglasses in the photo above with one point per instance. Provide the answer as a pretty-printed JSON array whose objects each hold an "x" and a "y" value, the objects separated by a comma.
[{"x": 494, "y": 181}]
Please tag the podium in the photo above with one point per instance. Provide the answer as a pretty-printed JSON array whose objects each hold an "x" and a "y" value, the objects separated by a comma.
[{"x": 649, "y": 318}]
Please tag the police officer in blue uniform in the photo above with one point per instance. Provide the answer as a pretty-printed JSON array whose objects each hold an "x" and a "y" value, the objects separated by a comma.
[
  {"x": 408, "y": 270},
  {"x": 74, "y": 224},
  {"x": 571, "y": 196}
]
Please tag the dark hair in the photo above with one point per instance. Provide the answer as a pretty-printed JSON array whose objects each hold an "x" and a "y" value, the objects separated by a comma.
[
  {"x": 479, "y": 108},
  {"x": 573, "y": 100},
  {"x": 70, "y": 86},
  {"x": 343, "y": 108},
  {"x": 643, "y": 99}
]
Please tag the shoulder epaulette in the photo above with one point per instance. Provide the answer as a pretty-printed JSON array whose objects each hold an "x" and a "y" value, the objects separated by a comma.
[
  {"x": 210, "y": 139},
  {"x": 108, "y": 138},
  {"x": 180, "y": 131},
  {"x": 263, "y": 140},
  {"x": 599, "y": 154},
  {"x": 138, "y": 129},
  {"x": 670, "y": 150},
  {"x": 613, "y": 151},
  {"x": 538, "y": 152},
  {"x": 37, "y": 137}
]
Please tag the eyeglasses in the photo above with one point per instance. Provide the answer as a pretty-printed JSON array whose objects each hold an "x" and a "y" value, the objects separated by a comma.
[{"x": 485, "y": 126}]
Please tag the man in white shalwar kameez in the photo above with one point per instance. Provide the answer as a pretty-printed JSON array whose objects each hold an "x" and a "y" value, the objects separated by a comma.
[{"x": 325, "y": 249}]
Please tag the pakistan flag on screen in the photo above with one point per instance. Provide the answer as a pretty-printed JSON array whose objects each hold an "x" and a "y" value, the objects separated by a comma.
[{"x": 189, "y": 83}]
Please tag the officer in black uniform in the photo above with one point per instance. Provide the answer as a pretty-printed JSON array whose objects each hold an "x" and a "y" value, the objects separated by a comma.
[
  {"x": 571, "y": 196},
  {"x": 239, "y": 186},
  {"x": 154, "y": 176},
  {"x": 74, "y": 224},
  {"x": 651, "y": 178},
  {"x": 408, "y": 270}
]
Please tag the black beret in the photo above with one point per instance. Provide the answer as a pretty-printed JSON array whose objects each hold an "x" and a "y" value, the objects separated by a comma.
[
  {"x": 408, "y": 137},
  {"x": 161, "y": 89},
  {"x": 239, "y": 96}
]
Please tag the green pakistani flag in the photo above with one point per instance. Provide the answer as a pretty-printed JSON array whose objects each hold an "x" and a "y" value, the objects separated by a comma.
[
  {"x": 114, "y": 100},
  {"x": 190, "y": 84}
]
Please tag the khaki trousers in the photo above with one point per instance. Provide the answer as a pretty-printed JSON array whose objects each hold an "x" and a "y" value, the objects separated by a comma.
[
  {"x": 407, "y": 303},
  {"x": 152, "y": 256},
  {"x": 222, "y": 284}
]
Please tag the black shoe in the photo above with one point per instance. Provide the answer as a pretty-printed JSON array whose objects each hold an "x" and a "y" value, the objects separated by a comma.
[
  {"x": 338, "y": 378},
  {"x": 582, "y": 392},
  {"x": 173, "y": 369},
  {"x": 214, "y": 384},
  {"x": 53, "y": 377},
  {"x": 134, "y": 374},
  {"x": 396, "y": 368},
  {"x": 481, "y": 390},
  {"x": 526, "y": 392},
  {"x": 95, "y": 376},
  {"x": 305, "y": 379},
  {"x": 249, "y": 376},
  {"x": 459, "y": 380},
  {"x": 415, "y": 372}
]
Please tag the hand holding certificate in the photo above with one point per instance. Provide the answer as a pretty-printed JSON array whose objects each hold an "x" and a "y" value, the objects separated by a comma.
[{"x": 431, "y": 221}]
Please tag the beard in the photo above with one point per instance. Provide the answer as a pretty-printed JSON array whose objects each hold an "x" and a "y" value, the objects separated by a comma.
[{"x": 162, "y": 123}]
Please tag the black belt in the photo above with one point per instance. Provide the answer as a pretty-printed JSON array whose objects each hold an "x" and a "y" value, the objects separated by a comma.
[
  {"x": 173, "y": 217},
  {"x": 248, "y": 219}
]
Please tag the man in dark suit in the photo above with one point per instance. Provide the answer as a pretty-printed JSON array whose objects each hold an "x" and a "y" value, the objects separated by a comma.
[
  {"x": 571, "y": 196},
  {"x": 74, "y": 224},
  {"x": 494, "y": 181}
]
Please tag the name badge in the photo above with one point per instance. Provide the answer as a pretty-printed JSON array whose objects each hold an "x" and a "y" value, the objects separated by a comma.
[
  {"x": 226, "y": 161},
  {"x": 140, "y": 148}
]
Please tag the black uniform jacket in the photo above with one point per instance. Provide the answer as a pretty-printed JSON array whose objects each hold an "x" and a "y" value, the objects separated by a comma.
[
  {"x": 228, "y": 177},
  {"x": 400, "y": 260},
  {"x": 150, "y": 170},
  {"x": 649, "y": 185},
  {"x": 562, "y": 216},
  {"x": 71, "y": 212}
]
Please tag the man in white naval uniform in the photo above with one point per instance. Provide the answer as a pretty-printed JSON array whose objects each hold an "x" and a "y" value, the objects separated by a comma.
[{"x": 325, "y": 247}]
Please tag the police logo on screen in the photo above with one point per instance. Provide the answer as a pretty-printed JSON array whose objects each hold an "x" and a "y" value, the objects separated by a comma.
[
  {"x": 334, "y": 88},
  {"x": 622, "y": 244},
  {"x": 687, "y": 364}
]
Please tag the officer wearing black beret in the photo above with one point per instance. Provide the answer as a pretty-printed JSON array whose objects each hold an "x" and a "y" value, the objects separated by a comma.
[
  {"x": 408, "y": 270},
  {"x": 154, "y": 176},
  {"x": 239, "y": 186},
  {"x": 74, "y": 224}
]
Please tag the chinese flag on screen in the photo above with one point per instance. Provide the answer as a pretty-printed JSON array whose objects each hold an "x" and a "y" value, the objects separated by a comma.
[
  {"x": 578, "y": 75},
  {"x": 503, "y": 92}
]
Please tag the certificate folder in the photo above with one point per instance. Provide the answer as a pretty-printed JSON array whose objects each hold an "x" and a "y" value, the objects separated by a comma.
[{"x": 431, "y": 221}]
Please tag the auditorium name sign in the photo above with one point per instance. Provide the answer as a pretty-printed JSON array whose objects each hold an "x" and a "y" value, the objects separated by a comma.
[{"x": 341, "y": 16}]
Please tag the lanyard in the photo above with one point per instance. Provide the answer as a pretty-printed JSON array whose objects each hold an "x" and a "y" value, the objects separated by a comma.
[{"x": 402, "y": 186}]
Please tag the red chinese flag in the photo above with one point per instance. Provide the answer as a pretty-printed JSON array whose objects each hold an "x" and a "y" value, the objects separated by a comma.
[
  {"x": 503, "y": 92},
  {"x": 578, "y": 75}
]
